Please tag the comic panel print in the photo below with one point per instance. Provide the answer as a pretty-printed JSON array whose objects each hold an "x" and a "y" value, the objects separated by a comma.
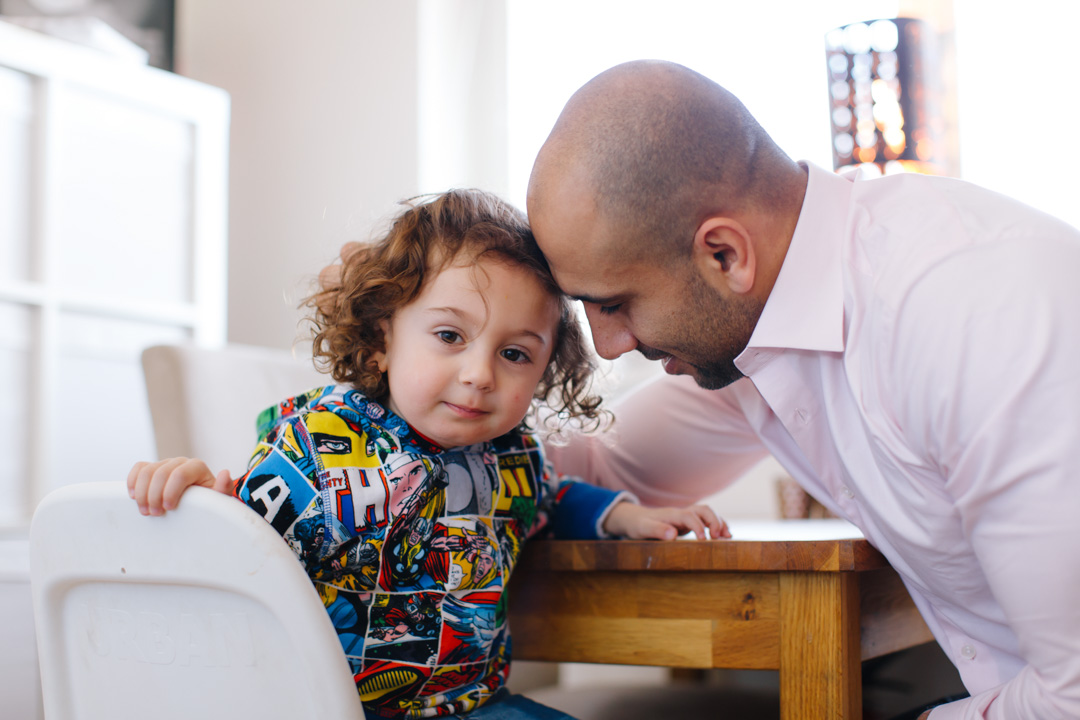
[
  {"x": 519, "y": 487},
  {"x": 472, "y": 482},
  {"x": 337, "y": 444},
  {"x": 359, "y": 497},
  {"x": 470, "y": 625},
  {"x": 291, "y": 440},
  {"x": 455, "y": 689},
  {"x": 412, "y": 556},
  {"x": 277, "y": 490},
  {"x": 473, "y": 549},
  {"x": 416, "y": 556},
  {"x": 385, "y": 684},
  {"x": 511, "y": 538},
  {"x": 415, "y": 482},
  {"x": 348, "y": 612},
  {"x": 354, "y": 565},
  {"x": 405, "y": 627}
]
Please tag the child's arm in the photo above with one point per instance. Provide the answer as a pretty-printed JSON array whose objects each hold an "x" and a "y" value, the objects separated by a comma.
[
  {"x": 630, "y": 520},
  {"x": 157, "y": 487}
]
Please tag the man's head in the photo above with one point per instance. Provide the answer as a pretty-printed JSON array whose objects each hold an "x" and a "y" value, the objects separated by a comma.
[{"x": 661, "y": 203}]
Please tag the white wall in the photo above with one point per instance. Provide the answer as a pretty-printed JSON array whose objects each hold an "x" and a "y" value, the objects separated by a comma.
[
  {"x": 343, "y": 107},
  {"x": 324, "y": 136},
  {"x": 1018, "y": 102},
  {"x": 463, "y": 95}
]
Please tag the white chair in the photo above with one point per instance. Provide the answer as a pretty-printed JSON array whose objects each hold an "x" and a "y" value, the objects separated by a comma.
[
  {"x": 202, "y": 613},
  {"x": 203, "y": 402}
]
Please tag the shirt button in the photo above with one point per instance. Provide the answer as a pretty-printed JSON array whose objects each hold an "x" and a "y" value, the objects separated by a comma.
[
  {"x": 802, "y": 415},
  {"x": 846, "y": 492},
  {"x": 968, "y": 652}
]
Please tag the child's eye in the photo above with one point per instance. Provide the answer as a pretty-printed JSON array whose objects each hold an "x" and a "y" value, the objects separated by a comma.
[
  {"x": 515, "y": 356},
  {"x": 448, "y": 336},
  {"x": 610, "y": 309}
]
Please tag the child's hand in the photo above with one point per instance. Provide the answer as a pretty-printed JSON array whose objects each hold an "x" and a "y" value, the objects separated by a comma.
[
  {"x": 157, "y": 487},
  {"x": 635, "y": 522}
]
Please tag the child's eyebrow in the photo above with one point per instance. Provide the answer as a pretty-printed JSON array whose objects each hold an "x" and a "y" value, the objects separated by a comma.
[
  {"x": 449, "y": 310},
  {"x": 538, "y": 336},
  {"x": 458, "y": 312}
]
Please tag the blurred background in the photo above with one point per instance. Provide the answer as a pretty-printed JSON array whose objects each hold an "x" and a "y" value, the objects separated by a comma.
[
  {"x": 179, "y": 170},
  {"x": 197, "y": 201}
]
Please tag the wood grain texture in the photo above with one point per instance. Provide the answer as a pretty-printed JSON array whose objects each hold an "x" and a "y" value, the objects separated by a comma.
[
  {"x": 820, "y": 669},
  {"x": 812, "y": 609},
  {"x": 844, "y": 555},
  {"x": 690, "y": 620},
  {"x": 889, "y": 619}
]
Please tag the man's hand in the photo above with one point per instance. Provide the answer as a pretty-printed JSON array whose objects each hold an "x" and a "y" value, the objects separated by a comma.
[
  {"x": 635, "y": 522},
  {"x": 157, "y": 487}
]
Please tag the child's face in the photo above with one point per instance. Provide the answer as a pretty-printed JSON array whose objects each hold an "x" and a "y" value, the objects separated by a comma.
[{"x": 464, "y": 358}]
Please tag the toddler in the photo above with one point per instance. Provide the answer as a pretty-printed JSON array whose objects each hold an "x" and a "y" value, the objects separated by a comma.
[{"x": 408, "y": 489}]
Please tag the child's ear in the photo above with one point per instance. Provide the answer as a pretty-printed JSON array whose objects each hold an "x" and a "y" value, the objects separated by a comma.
[{"x": 379, "y": 356}]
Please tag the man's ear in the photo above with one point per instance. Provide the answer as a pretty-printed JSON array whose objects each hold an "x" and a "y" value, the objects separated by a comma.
[{"x": 725, "y": 255}]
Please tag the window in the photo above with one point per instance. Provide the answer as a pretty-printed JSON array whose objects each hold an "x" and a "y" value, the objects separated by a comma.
[{"x": 112, "y": 238}]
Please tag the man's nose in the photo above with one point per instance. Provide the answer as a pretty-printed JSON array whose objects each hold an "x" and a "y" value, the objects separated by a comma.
[
  {"x": 610, "y": 335},
  {"x": 478, "y": 370}
]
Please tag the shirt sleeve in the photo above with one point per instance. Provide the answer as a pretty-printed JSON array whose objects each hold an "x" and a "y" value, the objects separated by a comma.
[
  {"x": 276, "y": 488},
  {"x": 581, "y": 509},
  {"x": 987, "y": 347},
  {"x": 672, "y": 443}
]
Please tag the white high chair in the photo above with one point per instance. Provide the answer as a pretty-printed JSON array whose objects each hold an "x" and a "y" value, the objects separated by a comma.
[
  {"x": 201, "y": 613},
  {"x": 203, "y": 401}
]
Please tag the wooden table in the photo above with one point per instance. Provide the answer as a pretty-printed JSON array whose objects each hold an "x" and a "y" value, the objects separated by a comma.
[{"x": 809, "y": 598}]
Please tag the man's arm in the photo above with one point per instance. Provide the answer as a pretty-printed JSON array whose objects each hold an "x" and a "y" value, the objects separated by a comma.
[{"x": 672, "y": 443}]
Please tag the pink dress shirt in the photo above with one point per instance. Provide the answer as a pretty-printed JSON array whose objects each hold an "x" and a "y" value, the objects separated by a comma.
[{"x": 917, "y": 370}]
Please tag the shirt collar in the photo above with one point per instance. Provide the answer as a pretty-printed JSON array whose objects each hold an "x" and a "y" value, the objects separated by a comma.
[{"x": 805, "y": 310}]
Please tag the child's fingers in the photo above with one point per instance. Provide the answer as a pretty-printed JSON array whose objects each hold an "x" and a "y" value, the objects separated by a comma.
[
  {"x": 155, "y": 490},
  {"x": 188, "y": 473},
  {"x": 133, "y": 476},
  {"x": 652, "y": 528},
  {"x": 139, "y": 487},
  {"x": 223, "y": 483},
  {"x": 717, "y": 527},
  {"x": 693, "y": 522}
]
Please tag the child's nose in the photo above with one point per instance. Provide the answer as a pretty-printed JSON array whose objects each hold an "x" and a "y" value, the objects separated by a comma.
[{"x": 478, "y": 370}]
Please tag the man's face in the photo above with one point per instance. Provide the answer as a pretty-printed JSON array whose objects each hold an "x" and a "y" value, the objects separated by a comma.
[{"x": 665, "y": 310}]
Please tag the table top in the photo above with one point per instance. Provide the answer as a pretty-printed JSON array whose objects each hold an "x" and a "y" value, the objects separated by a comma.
[{"x": 756, "y": 546}]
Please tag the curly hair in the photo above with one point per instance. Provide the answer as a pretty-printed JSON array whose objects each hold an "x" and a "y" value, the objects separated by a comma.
[{"x": 374, "y": 281}]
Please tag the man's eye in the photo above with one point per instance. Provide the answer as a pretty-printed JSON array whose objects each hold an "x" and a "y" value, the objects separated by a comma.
[
  {"x": 610, "y": 309},
  {"x": 448, "y": 336},
  {"x": 514, "y": 355}
]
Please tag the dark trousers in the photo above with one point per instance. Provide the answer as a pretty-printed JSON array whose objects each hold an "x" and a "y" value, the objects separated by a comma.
[{"x": 914, "y": 713}]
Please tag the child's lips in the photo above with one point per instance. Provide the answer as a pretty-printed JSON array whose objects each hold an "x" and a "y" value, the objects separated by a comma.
[{"x": 465, "y": 411}]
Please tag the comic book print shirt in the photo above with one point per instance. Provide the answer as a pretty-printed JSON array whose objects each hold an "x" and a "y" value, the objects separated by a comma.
[{"x": 409, "y": 545}]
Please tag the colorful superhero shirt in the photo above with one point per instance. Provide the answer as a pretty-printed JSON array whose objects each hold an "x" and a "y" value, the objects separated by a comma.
[{"x": 410, "y": 545}]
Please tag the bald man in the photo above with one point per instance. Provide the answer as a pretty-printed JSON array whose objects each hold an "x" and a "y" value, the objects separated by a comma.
[{"x": 908, "y": 347}]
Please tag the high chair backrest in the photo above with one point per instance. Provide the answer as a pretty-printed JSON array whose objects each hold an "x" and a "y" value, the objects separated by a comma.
[
  {"x": 202, "y": 613},
  {"x": 204, "y": 401}
]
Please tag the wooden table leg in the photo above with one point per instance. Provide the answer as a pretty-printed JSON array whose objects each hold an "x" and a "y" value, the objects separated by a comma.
[{"x": 820, "y": 665}]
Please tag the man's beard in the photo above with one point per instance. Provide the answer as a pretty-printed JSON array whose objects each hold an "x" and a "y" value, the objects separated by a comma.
[{"x": 716, "y": 332}]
